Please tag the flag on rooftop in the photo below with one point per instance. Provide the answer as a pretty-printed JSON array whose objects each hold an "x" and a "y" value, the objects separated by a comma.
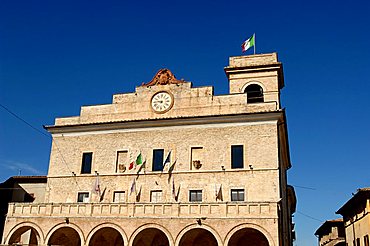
[{"x": 250, "y": 42}]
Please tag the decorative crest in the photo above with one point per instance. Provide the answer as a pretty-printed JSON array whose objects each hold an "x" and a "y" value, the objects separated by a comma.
[{"x": 163, "y": 77}]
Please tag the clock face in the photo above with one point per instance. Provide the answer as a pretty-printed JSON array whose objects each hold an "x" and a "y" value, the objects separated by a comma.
[{"x": 162, "y": 102}]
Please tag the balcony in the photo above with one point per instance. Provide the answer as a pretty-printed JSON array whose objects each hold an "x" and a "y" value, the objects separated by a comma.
[{"x": 157, "y": 210}]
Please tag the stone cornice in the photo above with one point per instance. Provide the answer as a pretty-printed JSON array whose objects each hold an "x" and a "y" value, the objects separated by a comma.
[
  {"x": 277, "y": 66},
  {"x": 198, "y": 120}
]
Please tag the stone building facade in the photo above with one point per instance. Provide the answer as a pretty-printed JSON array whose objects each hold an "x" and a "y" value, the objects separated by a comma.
[
  {"x": 356, "y": 218},
  {"x": 170, "y": 164},
  {"x": 331, "y": 233},
  {"x": 20, "y": 189}
]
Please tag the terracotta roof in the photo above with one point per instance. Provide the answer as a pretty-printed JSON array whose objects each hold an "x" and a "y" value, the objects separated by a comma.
[{"x": 25, "y": 179}]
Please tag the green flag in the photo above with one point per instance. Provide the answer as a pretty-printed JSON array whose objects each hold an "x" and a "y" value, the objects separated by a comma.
[
  {"x": 139, "y": 159},
  {"x": 248, "y": 43}
]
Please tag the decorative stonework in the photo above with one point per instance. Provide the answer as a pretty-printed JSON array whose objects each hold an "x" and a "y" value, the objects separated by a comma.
[
  {"x": 197, "y": 164},
  {"x": 163, "y": 77}
]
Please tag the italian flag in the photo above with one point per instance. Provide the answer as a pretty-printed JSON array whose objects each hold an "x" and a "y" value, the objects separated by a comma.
[
  {"x": 139, "y": 160},
  {"x": 248, "y": 43},
  {"x": 131, "y": 166}
]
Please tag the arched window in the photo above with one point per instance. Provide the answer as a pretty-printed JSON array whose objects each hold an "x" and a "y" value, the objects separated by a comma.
[{"x": 254, "y": 93}]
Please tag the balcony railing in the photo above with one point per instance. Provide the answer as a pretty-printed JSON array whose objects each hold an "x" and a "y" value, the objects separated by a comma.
[{"x": 165, "y": 210}]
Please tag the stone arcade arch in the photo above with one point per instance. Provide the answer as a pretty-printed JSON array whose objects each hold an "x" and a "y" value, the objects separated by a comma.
[
  {"x": 151, "y": 237},
  {"x": 25, "y": 234},
  {"x": 198, "y": 237},
  {"x": 250, "y": 235},
  {"x": 106, "y": 236},
  {"x": 65, "y": 235}
]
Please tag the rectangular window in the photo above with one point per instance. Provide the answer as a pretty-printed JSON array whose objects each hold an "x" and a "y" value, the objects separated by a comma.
[
  {"x": 196, "y": 157},
  {"x": 158, "y": 159},
  {"x": 119, "y": 196},
  {"x": 86, "y": 162},
  {"x": 366, "y": 240},
  {"x": 122, "y": 159},
  {"x": 358, "y": 242},
  {"x": 195, "y": 196},
  {"x": 83, "y": 197},
  {"x": 237, "y": 156},
  {"x": 237, "y": 195},
  {"x": 156, "y": 196}
]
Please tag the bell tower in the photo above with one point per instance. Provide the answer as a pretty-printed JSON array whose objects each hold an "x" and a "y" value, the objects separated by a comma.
[{"x": 259, "y": 76}]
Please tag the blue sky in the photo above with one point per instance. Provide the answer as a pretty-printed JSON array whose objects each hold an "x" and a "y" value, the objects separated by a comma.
[{"x": 58, "y": 55}]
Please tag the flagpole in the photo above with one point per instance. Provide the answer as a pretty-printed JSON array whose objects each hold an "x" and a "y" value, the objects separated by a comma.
[{"x": 254, "y": 46}]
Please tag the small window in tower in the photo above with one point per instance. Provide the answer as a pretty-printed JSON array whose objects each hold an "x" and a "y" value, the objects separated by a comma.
[
  {"x": 158, "y": 159},
  {"x": 121, "y": 161},
  {"x": 195, "y": 196},
  {"x": 86, "y": 162},
  {"x": 254, "y": 93},
  {"x": 156, "y": 196},
  {"x": 237, "y": 195},
  {"x": 83, "y": 197},
  {"x": 119, "y": 196},
  {"x": 237, "y": 156}
]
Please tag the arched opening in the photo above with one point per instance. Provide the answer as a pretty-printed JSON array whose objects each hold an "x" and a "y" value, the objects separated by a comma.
[
  {"x": 66, "y": 236},
  {"x": 198, "y": 237},
  {"x": 151, "y": 237},
  {"x": 248, "y": 237},
  {"x": 254, "y": 93},
  {"x": 106, "y": 237},
  {"x": 25, "y": 235}
]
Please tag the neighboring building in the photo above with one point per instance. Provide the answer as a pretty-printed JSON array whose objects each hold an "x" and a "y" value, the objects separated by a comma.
[
  {"x": 20, "y": 189},
  {"x": 224, "y": 181},
  {"x": 356, "y": 218},
  {"x": 331, "y": 233}
]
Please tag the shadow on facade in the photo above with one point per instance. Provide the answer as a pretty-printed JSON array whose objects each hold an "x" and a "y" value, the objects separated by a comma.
[
  {"x": 12, "y": 191},
  {"x": 151, "y": 237},
  {"x": 65, "y": 236},
  {"x": 106, "y": 237},
  {"x": 25, "y": 235},
  {"x": 198, "y": 237},
  {"x": 248, "y": 236}
]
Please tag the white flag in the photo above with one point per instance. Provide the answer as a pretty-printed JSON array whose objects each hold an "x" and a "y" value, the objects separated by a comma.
[
  {"x": 133, "y": 186},
  {"x": 97, "y": 186}
]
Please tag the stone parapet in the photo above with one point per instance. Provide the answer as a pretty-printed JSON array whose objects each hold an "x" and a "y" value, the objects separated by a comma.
[
  {"x": 157, "y": 210},
  {"x": 253, "y": 60},
  {"x": 220, "y": 105}
]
